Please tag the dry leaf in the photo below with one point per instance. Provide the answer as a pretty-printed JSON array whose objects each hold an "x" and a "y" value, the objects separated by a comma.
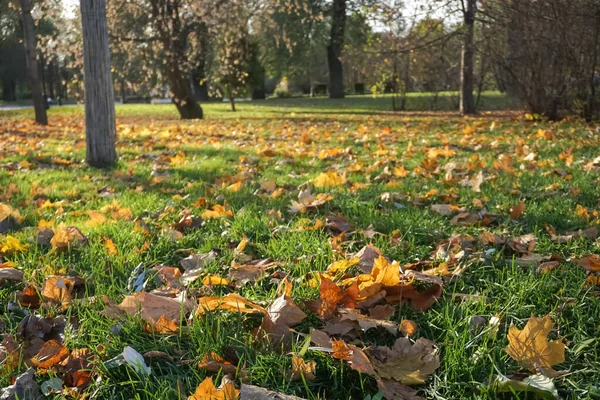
[
  {"x": 302, "y": 369},
  {"x": 207, "y": 391},
  {"x": 408, "y": 327},
  {"x": 232, "y": 302},
  {"x": 407, "y": 363},
  {"x": 590, "y": 263},
  {"x": 50, "y": 354},
  {"x": 214, "y": 363},
  {"x": 333, "y": 297},
  {"x": 531, "y": 348}
]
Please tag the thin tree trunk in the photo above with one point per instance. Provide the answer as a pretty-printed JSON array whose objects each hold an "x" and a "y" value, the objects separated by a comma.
[
  {"x": 467, "y": 103},
  {"x": 39, "y": 103},
  {"x": 9, "y": 88},
  {"x": 334, "y": 50},
  {"x": 100, "y": 126},
  {"x": 482, "y": 73},
  {"x": 591, "y": 106}
]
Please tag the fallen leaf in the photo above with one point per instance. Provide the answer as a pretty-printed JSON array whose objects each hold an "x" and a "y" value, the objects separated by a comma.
[
  {"x": 213, "y": 362},
  {"x": 332, "y": 297},
  {"x": 329, "y": 179},
  {"x": 517, "y": 210},
  {"x": 407, "y": 363},
  {"x": 531, "y": 348},
  {"x": 50, "y": 354},
  {"x": 302, "y": 369},
  {"x": 232, "y": 302},
  {"x": 24, "y": 387},
  {"x": 355, "y": 357},
  {"x": 590, "y": 262},
  {"x": 207, "y": 391},
  {"x": 135, "y": 360},
  {"x": 408, "y": 327},
  {"x": 250, "y": 392}
]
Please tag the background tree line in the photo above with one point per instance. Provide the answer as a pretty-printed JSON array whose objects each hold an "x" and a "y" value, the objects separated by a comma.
[{"x": 542, "y": 53}]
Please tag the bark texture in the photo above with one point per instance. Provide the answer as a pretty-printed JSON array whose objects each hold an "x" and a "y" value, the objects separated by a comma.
[
  {"x": 467, "y": 102},
  {"x": 39, "y": 103},
  {"x": 100, "y": 126},
  {"x": 334, "y": 49}
]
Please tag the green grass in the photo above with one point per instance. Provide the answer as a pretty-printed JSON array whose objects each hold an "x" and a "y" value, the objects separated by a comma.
[
  {"x": 299, "y": 129},
  {"x": 354, "y": 107}
]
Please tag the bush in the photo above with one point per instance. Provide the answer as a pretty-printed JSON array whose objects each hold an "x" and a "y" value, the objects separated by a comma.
[{"x": 282, "y": 93}]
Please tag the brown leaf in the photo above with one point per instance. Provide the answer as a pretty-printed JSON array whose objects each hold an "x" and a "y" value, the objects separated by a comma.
[
  {"x": 338, "y": 224},
  {"x": 365, "y": 323},
  {"x": 10, "y": 274},
  {"x": 250, "y": 272},
  {"x": 284, "y": 311},
  {"x": 367, "y": 256},
  {"x": 50, "y": 354},
  {"x": 302, "y": 369},
  {"x": 407, "y": 363},
  {"x": 531, "y": 348},
  {"x": 24, "y": 387},
  {"x": 250, "y": 392},
  {"x": 58, "y": 290},
  {"x": 152, "y": 308},
  {"x": 64, "y": 238},
  {"x": 232, "y": 302},
  {"x": 394, "y": 390},
  {"x": 590, "y": 262},
  {"x": 547, "y": 266},
  {"x": 517, "y": 210},
  {"x": 320, "y": 338},
  {"x": 419, "y": 301},
  {"x": 214, "y": 363},
  {"x": 357, "y": 359},
  {"x": 384, "y": 311}
]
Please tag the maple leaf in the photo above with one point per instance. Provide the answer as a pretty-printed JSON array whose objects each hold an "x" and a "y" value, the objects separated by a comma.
[
  {"x": 407, "y": 363},
  {"x": 329, "y": 179},
  {"x": 207, "y": 391},
  {"x": 332, "y": 297},
  {"x": 65, "y": 237},
  {"x": 517, "y": 210},
  {"x": 531, "y": 348}
]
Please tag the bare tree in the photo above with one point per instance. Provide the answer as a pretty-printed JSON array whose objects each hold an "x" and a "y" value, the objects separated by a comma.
[
  {"x": 100, "y": 127},
  {"x": 467, "y": 102},
  {"x": 39, "y": 102}
]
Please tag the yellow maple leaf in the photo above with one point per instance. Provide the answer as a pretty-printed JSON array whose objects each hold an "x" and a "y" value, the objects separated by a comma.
[
  {"x": 12, "y": 245},
  {"x": 207, "y": 391},
  {"x": 329, "y": 179},
  {"x": 110, "y": 246},
  {"x": 531, "y": 348},
  {"x": 217, "y": 211}
]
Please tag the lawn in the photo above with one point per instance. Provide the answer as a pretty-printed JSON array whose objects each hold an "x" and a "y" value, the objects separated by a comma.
[{"x": 470, "y": 208}]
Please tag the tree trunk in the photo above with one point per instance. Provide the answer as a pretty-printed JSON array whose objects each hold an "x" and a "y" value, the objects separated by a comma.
[
  {"x": 39, "y": 103},
  {"x": 590, "y": 108},
  {"x": 334, "y": 50},
  {"x": 467, "y": 103},
  {"x": 122, "y": 90},
  {"x": 183, "y": 98},
  {"x": 100, "y": 126},
  {"x": 9, "y": 88}
]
